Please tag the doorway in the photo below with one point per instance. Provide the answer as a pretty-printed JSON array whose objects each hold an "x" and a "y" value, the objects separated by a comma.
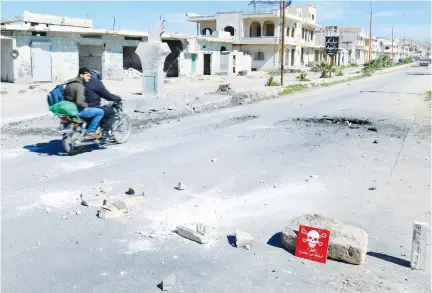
[
  {"x": 234, "y": 63},
  {"x": 41, "y": 63},
  {"x": 292, "y": 56},
  {"x": 193, "y": 59},
  {"x": 7, "y": 66},
  {"x": 207, "y": 64},
  {"x": 171, "y": 65},
  {"x": 90, "y": 56}
]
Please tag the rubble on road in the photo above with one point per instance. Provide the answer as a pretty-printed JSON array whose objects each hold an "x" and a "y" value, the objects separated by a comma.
[
  {"x": 180, "y": 186},
  {"x": 191, "y": 235},
  {"x": 224, "y": 88},
  {"x": 109, "y": 212},
  {"x": 93, "y": 202},
  {"x": 130, "y": 191},
  {"x": 347, "y": 243},
  {"x": 121, "y": 206},
  {"x": 133, "y": 200},
  {"x": 168, "y": 282},
  {"x": 200, "y": 228},
  {"x": 131, "y": 72},
  {"x": 243, "y": 239}
]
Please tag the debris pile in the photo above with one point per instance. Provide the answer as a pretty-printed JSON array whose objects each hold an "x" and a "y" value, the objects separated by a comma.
[{"x": 132, "y": 73}]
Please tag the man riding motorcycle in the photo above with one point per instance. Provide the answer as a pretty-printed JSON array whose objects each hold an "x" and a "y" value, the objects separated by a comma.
[
  {"x": 95, "y": 90},
  {"x": 75, "y": 92}
]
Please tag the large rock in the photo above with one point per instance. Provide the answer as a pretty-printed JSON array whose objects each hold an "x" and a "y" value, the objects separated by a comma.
[{"x": 347, "y": 243}]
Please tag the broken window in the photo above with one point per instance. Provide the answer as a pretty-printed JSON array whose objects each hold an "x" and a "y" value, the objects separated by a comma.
[
  {"x": 39, "y": 34},
  {"x": 127, "y": 38},
  {"x": 259, "y": 56},
  {"x": 223, "y": 48}
]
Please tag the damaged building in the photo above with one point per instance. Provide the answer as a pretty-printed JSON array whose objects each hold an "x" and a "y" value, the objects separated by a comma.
[{"x": 47, "y": 48}]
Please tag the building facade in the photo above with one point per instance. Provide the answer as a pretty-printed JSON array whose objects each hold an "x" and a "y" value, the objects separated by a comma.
[
  {"x": 46, "y": 48},
  {"x": 259, "y": 34}
]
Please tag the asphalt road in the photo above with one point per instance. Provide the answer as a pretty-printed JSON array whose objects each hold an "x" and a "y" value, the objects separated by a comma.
[{"x": 269, "y": 168}]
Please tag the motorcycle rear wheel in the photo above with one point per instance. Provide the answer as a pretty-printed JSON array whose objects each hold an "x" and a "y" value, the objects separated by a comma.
[
  {"x": 69, "y": 148},
  {"x": 122, "y": 129}
]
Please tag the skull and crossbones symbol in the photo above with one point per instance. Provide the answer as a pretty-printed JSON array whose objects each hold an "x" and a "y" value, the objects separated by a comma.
[{"x": 313, "y": 238}]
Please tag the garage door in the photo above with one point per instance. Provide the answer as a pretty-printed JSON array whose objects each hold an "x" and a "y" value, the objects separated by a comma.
[{"x": 41, "y": 61}]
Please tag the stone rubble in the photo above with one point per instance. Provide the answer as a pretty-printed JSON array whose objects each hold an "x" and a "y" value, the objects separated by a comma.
[
  {"x": 347, "y": 243},
  {"x": 180, "y": 186},
  {"x": 191, "y": 235},
  {"x": 243, "y": 239},
  {"x": 168, "y": 282}
]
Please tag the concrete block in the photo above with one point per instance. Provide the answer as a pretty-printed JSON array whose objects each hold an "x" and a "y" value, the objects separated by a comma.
[
  {"x": 121, "y": 206},
  {"x": 419, "y": 245},
  {"x": 109, "y": 212},
  {"x": 243, "y": 239},
  {"x": 347, "y": 243},
  {"x": 168, "y": 283},
  {"x": 130, "y": 201},
  {"x": 94, "y": 202},
  {"x": 191, "y": 235}
]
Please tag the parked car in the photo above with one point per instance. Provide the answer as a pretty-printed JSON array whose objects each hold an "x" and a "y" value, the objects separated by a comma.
[{"x": 424, "y": 61}]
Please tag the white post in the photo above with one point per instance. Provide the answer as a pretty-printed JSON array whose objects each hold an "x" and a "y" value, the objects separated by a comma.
[{"x": 419, "y": 245}]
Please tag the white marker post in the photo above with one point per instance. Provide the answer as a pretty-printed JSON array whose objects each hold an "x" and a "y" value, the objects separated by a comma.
[{"x": 419, "y": 250}]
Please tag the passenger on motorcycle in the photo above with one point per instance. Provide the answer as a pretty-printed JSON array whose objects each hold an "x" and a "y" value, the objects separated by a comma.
[
  {"x": 75, "y": 92},
  {"x": 95, "y": 90}
]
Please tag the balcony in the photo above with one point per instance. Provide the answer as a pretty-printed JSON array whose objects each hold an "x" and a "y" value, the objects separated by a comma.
[{"x": 259, "y": 40}]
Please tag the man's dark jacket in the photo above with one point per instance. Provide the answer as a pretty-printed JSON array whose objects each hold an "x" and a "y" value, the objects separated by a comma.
[{"x": 95, "y": 90}]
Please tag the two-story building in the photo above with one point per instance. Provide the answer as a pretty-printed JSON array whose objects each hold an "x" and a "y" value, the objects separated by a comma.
[
  {"x": 351, "y": 43},
  {"x": 375, "y": 49},
  {"x": 259, "y": 34}
]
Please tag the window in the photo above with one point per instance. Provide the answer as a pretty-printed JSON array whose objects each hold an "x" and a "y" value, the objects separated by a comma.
[
  {"x": 292, "y": 33},
  {"x": 313, "y": 17},
  {"x": 223, "y": 48},
  {"x": 39, "y": 34},
  {"x": 387, "y": 47},
  {"x": 259, "y": 56},
  {"x": 229, "y": 29},
  {"x": 269, "y": 29},
  {"x": 207, "y": 31}
]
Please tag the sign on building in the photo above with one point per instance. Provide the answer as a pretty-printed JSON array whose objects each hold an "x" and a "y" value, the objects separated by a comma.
[
  {"x": 331, "y": 45},
  {"x": 312, "y": 243}
]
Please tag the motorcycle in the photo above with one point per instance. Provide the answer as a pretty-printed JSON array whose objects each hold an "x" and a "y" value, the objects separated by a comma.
[{"x": 73, "y": 130}]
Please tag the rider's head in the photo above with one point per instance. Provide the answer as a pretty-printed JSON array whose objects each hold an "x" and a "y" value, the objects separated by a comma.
[{"x": 84, "y": 74}]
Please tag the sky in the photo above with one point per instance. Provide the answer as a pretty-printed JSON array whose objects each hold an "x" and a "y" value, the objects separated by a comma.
[{"x": 412, "y": 18}]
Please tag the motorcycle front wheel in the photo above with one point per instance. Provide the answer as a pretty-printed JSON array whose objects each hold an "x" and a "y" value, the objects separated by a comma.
[
  {"x": 69, "y": 147},
  {"x": 122, "y": 129}
]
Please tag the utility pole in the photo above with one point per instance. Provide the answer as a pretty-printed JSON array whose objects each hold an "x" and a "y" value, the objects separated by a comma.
[
  {"x": 114, "y": 24},
  {"x": 283, "y": 42},
  {"x": 370, "y": 37},
  {"x": 392, "y": 40}
]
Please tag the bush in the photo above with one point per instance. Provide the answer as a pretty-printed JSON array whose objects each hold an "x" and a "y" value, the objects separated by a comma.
[
  {"x": 325, "y": 69},
  {"x": 293, "y": 88},
  {"x": 302, "y": 77},
  {"x": 271, "y": 82},
  {"x": 340, "y": 73}
]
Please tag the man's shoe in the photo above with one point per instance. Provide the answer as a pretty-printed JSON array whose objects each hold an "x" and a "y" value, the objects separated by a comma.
[{"x": 93, "y": 135}]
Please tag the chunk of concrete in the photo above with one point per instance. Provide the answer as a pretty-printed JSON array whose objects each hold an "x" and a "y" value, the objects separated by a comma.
[
  {"x": 191, "y": 235},
  {"x": 347, "y": 243},
  {"x": 168, "y": 283},
  {"x": 131, "y": 201},
  {"x": 243, "y": 239},
  {"x": 419, "y": 245},
  {"x": 121, "y": 206},
  {"x": 180, "y": 186},
  {"x": 200, "y": 228},
  {"x": 109, "y": 212},
  {"x": 93, "y": 202}
]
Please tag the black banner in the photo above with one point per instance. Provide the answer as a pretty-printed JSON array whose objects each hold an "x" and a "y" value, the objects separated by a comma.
[{"x": 331, "y": 45}]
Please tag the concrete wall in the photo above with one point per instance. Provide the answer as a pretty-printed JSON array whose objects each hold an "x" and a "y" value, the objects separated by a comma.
[
  {"x": 65, "y": 55},
  {"x": 271, "y": 56},
  {"x": 7, "y": 62},
  {"x": 230, "y": 19}
]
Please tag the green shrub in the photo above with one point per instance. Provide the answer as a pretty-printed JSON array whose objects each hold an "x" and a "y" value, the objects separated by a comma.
[
  {"x": 302, "y": 77},
  {"x": 293, "y": 88},
  {"x": 271, "y": 82},
  {"x": 340, "y": 73}
]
